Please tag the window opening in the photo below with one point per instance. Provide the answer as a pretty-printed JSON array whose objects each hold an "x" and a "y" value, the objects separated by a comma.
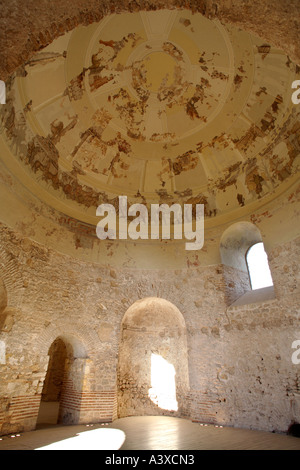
[{"x": 258, "y": 267}]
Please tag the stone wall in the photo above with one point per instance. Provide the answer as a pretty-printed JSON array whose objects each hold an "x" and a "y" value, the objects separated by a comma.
[
  {"x": 239, "y": 364},
  {"x": 232, "y": 362}
]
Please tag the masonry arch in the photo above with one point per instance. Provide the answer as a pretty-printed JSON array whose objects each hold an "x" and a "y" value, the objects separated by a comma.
[
  {"x": 63, "y": 385},
  {"x": 153, "y": 360},
  {"x": 236, "y": 241}
]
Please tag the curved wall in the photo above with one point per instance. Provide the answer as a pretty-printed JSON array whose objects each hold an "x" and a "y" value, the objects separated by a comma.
[{"x": 61, "y": 281}]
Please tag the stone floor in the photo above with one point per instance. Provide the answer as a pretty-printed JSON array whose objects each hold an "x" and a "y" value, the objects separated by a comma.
[{"x": 147, "y": 433}]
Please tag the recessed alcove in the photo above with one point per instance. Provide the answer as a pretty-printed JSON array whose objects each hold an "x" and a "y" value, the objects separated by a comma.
[
  {"x": 62, "y": 386},
  {"x": 236, "y": 243}
]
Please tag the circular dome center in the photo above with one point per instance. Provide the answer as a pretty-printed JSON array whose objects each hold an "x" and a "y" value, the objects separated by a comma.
[{"x": 159, "y": 70}]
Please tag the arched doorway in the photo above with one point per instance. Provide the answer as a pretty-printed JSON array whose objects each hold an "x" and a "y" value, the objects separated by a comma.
[
  {"x": 52, "y": 389},
  {"x": 62, "y": 389},
  {"x": 153, "y": 364}
]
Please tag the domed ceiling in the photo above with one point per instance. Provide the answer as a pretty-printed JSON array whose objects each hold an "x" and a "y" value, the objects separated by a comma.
[{"x": 163, "y": 106}]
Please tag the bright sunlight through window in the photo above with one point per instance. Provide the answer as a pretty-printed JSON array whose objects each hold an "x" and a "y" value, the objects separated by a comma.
[
  {"x": 258, "y": 266},
  {"x": 163, "y": 388}
]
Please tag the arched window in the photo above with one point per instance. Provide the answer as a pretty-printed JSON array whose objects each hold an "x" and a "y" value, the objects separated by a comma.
[
  {"x": 242, "y": 254},
  {"x": 258, "y": 267}
]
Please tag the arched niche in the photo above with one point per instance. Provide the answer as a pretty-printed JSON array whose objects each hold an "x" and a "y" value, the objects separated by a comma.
[
  {"x": 153, "y": 362},
  {"x": 58, "y": 354},
  {"x": 74, "y": 345},
  {"x": 63, "y": 384},
  {"x": 235, "y": 243}
]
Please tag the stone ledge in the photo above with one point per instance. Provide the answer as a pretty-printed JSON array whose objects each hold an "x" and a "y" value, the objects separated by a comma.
[{"x": 255, "y": 296}]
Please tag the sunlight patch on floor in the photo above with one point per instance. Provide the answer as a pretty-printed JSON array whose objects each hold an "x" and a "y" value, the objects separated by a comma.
[{"x": 97, "y": 439}]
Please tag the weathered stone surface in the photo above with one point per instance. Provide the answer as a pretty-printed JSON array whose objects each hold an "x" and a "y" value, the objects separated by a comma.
[
  {"x": 239, "y": 358},
  {"x": 114, "y": 305},
  {"x": 27, "y": 27},
  {"x": 6, "y": 321}
]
